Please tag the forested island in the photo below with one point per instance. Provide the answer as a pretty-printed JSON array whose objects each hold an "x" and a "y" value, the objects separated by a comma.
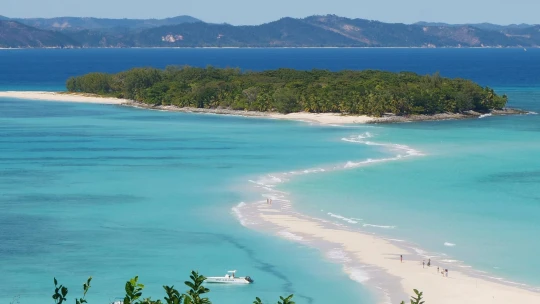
[{"x": 372, "y": 93}]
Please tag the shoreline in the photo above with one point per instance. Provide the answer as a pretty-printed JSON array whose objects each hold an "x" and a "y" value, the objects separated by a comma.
[
  {"x": 62, "y": 97},
  {"x": 370, "y": 258},
  {"x": 379, "y": 258},
  {"x": 320, "y": 118},
  {"x": 369, "y": 253}
]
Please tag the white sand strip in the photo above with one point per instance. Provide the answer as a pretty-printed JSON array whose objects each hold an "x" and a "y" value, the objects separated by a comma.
[
  {"x": 64, "y": 97},
  {"x": 368, "y": 249},
  {"x": 325, "y": 118},
  {"x": 321, "y": 118}
]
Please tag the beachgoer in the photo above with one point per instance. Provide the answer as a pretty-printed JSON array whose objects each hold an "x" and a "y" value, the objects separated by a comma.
[
  {"x": 446, "y": 270},
  {"x": 401, "y": 256},
  {"x": 437, "y": 269},
  {"x": 424, "y": 264},
  {"x": 429, "y": 263}
]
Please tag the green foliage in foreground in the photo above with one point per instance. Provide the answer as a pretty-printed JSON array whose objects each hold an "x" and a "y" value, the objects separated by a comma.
[
  {"x": 417, "y": 298},
  {"x": 367, "y": 92},
  {"x": 134, "y": 291},
  {"x": 194, "y": 295}
]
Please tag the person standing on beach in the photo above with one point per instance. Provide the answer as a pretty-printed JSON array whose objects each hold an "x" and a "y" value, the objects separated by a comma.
[
  {"x": 401, "y": 257},
  {"x": 424, "y": 264},
  {"x": 437, "y": 269},
  {"x": 429, "y": 263},
  {"x": 446, "y": 270}
]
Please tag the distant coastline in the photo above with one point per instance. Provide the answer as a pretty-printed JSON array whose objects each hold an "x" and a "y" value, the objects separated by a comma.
[
  {"x": 312, "y": 31},
  {"x": 320, "y": 118},
  {"x": 271, "y": 47}
]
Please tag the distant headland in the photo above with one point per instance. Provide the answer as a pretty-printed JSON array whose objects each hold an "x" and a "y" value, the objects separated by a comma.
[{"x": 313, "y": 31}]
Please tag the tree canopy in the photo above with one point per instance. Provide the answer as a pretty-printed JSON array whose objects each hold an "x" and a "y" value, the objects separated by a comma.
[{"x": 367, "y": 92}]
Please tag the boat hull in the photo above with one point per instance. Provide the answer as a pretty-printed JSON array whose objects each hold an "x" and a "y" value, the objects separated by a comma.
[{"x": 223, "y": 280}]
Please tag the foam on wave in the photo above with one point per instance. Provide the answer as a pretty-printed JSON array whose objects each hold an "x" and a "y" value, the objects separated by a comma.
[
  {"x": 448, "y": 244},
  {"x": 337, "y": 254},
  {"x": 267, "y": 184},
  {"x": 361, "y": 139},
  {"x": 379, "y": 226},
  {"x": 348, "y": 220},
  {"x": 239, "y": 216},
  {"x": 358, "y": 275}
]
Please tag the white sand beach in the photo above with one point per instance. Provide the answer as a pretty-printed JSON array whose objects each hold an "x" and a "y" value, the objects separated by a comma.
[
  {"x": 60, "y": 96},
  {"x": 325, "y": 118},
  {"x": 368, "y": 249},
  {"x": 321, "y": 118}
]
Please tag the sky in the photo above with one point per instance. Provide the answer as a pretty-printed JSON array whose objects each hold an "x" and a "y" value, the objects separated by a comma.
[{"x": 249, "y": 12}]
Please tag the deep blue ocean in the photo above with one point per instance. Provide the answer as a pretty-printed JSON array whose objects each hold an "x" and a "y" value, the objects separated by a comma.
[{"x": 113, "y": 192}]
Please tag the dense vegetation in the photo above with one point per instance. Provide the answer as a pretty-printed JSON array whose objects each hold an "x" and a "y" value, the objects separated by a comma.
[
  {"x": 368, "y": 92},
  {"x": 194, "y": 295}
]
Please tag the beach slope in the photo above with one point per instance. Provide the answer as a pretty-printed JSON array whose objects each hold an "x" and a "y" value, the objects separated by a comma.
[
  {"x": 64, "y": 97},
  {"x": 367, "y": 249}
]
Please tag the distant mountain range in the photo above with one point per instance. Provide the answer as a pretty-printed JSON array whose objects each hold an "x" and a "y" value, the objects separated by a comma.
[{"x": 314, "y": 31}]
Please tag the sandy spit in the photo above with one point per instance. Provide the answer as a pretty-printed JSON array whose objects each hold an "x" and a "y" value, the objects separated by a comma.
[
  {"x": 368, "y": 249},
  {"x": 320, "y": 118}
]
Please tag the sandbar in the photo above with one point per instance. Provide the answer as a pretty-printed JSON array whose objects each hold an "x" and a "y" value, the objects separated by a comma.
[
  {"x": 368, "y": 249},
  {"x": 64, "y": 97}
]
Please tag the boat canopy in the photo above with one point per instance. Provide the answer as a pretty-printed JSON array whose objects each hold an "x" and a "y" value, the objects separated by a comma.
[{"x": 231, "y": 271}]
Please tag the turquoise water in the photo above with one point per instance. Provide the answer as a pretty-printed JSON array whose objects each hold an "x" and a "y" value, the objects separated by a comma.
[
  {"x": 471, "y": 200},
  {"x": 115, "y": 192}
]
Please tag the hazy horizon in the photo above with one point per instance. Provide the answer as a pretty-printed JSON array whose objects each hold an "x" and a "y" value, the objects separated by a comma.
[{"x": 244, "y": 12}]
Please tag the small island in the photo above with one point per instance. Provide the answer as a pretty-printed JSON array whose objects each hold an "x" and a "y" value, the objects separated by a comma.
[{"x": 385, "y": 95}]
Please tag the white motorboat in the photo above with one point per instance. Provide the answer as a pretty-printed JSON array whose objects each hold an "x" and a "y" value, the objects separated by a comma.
[{"x": 229, "y": 278}]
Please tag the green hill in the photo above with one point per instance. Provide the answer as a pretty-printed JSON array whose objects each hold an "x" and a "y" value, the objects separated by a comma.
[{"x": 16, "y": 35}]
